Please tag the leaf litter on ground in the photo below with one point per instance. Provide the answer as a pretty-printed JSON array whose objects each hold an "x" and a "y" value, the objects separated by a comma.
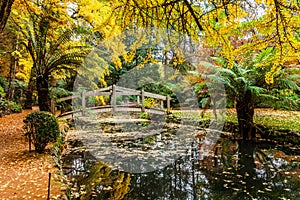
[{"x": 23, "y": 174}]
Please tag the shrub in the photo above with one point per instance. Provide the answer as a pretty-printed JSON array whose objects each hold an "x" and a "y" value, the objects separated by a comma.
[
  {"x": 7, "y": 107},
  {"x": 3, "y": 82},
  {"x": 144, "y": 115},
  {"x": 14, "y": 107},
  {"x": 150, "y": 102},
  {"x": 4, "y": 109},
  {"x": 43, "y": 128},
  {"x": 2, "y": 92}
]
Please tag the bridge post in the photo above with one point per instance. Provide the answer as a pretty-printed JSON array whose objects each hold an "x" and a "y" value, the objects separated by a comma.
[
  {"x": 114, "y": 99},
  {"x": 161, "y": 104},
  {"x": 83, "y": 99},
  {"x": 138, "y": 100},
  {"x": 143, "y": 100},
  {"x": 83, "y": 103},
  {"x": 168, "y": 102}
]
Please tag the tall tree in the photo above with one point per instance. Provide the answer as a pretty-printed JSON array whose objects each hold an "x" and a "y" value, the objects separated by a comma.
[
  {"x": 221, "y": 23},
  {"x": 51, "y": 51},
  {"x": 5, "y": 8},
  {"x": 232, "y": 28},
  {"x": 245, "y": 85}
]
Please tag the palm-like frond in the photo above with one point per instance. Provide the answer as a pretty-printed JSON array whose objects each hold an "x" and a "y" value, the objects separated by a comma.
[
  {"x": 74, "y": 59},
  {"x": 63, "y": 39},
  {"x": 264, "y": 55},
  {"x": 49, "y": 55},
  {"x": 220, "y": 60},
  {"x": 257, "y": 91},
  {"x": 288, "y": 78},
  {"x": 286, "y": 83},
  {"x": 227, "y": 72}
]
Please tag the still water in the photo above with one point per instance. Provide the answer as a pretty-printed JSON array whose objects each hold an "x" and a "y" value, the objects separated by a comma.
[{"x": 235, "y": 170}]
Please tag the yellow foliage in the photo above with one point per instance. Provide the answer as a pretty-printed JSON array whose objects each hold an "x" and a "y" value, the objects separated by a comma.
[
  {"x": 234, "y": 29},
  {"x": 128, "y": 57},
  {"x": 25, "y": 65},
  {"x": 100, "y": 100},
  {"x": 98, "y": 13},
  {"x": 118, "y": 63}
]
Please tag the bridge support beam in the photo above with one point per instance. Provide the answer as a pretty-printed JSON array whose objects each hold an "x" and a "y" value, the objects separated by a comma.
[
  {"x": 143, "y": 100},
  {"x": 168, "y": 103},
  {"x": 83, "y": 103},
  {"x": 114, "y": 99},
  {"x": 161, "y": 104},
  {"x": 138, "y": 100}
]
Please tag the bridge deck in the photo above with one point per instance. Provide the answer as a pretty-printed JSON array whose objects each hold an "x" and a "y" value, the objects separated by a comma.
[
  {"x": 113, "y": 91},
  {"x": 103, "y": 109}
]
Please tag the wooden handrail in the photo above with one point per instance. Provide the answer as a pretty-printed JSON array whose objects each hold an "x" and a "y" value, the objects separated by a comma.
[{"x": 115, "y": 91}]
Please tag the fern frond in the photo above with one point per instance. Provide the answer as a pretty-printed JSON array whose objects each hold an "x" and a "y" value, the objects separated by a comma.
[{"x": 264, "y": 56}]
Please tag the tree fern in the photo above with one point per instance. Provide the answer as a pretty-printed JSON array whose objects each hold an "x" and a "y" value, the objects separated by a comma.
[
  {"x": 264, "y": 56},
  {"x": 51, "y": 54}
]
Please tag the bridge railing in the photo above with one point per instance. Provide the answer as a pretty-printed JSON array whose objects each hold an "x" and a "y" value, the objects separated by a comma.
[{"x": 114, "y": 91}]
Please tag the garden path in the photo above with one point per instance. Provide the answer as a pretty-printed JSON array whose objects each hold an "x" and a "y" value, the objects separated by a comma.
[{"x": 23, "y": 174}]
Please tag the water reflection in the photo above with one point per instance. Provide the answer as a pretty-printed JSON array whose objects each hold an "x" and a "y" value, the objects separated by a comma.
[{"x": 236, "y": 170}]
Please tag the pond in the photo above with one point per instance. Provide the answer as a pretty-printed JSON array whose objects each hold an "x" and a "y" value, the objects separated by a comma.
[{"x": 233, "y": 170}]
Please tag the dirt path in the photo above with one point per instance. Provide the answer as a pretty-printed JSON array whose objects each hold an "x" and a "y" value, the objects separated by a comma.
[{"x": 23, "y": 174}]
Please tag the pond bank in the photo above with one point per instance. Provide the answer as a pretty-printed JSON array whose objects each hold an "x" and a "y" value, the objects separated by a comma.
[
  {"x": 275, "y": 162},
  {"x": 276, "y": 125},
  {"x": 230, "y": 172}
]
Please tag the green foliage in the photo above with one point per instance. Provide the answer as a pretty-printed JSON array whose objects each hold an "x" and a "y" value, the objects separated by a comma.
[
  {"x": 2, "y": 92},
  {"x": 14, "y": 107},
  {"x": 59, "y": 92},
  {"x": 161, "y": 88},
  {"x": 57, "y": 151},
  {"x": 43, "y": 128},
  {"x": 247, "y": 78},
  {"x": 144, "y": 115},
  {"x": 3, "y": 107},
  {"x": 3, "y": 82},
  {"x": 8, "y": 106},
  {"x": 3, "y": 86},
  {"x": 150, "y": 102},
  {"x": 51, "y": 55},
  {"x": 285, "y": 99}
]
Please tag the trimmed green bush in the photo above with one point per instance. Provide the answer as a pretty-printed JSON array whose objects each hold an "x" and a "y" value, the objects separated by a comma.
[{"x": 43, "y": 128}]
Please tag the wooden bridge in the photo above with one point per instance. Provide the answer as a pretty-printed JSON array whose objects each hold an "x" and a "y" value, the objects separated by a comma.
[{"x": 114, "y": 91}]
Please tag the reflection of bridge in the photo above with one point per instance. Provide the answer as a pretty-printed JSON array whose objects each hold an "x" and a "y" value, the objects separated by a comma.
[{"x": 114, "y": 91}]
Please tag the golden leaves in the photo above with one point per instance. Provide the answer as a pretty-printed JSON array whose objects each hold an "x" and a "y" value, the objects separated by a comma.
[{"x": 24, "y": 174}]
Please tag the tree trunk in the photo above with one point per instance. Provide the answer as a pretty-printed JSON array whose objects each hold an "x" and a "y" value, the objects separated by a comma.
[
  {"x": 28, "y": 94},
  {"x": 245, "y": 113},
  {"x": 12, "y": 73},
  {"x": 247, "y": 168},
  {"x": 5, "y": 8},
  {"x": 43, "y": 93},
  {"x": 29, "y": 91}
]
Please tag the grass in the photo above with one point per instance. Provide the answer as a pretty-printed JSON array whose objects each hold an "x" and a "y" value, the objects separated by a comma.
[{"x": 279, "y": 120}]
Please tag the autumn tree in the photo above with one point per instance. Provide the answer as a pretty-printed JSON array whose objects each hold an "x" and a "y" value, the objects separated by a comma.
[
  {"x": 232, "y": 28},
  {"x": 221, "y": 23},
  {"x": 53, "y": 48},
  {"x": 11, "y": 54},
  {"x": 5, "y": 8}
]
